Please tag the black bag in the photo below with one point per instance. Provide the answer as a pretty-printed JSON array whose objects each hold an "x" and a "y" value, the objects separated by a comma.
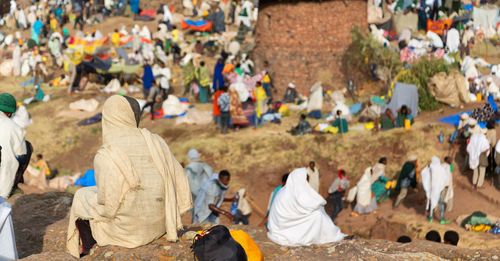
[{"x": 216, "y": 244}]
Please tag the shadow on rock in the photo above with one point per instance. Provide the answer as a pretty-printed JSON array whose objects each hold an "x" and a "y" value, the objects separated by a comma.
[{"x": 33, "y": 214}]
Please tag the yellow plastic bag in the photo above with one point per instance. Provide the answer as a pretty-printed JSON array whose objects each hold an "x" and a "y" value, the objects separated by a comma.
[
  {"x": 407, "y": 124},
  {"x": 284, "y": 111},
  {"x": 333, "y": 130},
  {"x": 251, "y": 249},
  {"x": 370, "y": 125}
]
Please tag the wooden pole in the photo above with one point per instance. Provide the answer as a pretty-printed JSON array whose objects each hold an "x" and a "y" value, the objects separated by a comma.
[
  {"x": 256, "y": 207},
  {"x": 418, "y": 184}
]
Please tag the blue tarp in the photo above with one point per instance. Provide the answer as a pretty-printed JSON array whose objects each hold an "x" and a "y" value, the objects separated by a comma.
[
  {"x": 87, "y": 180},
  {"x": 454, "y": 119}
]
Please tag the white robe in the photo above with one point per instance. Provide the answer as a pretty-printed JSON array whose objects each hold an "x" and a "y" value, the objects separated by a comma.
[
  {"x": 23, "y": 23},
  {"x": 315, "y": 101},
  {"x": 453, "y": 40},
  {"x": 13, "y": 144},
  {"x": 22, "y": 117},
  {"x": 478, "y": 144},
  {"x": 363, "y": 188},
  {"x": 434, "y": 180},
  {"x": 16, "y": 59},
  {"x": 297, "y": 216},
  {"x": 8, "y": 250}
]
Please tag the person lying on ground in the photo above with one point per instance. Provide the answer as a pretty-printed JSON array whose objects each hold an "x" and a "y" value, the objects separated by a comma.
[
  {"x": 15, "y": 152},
  {"x": 304, "y": 127},
  {"x": 141, "y": 190},
  {"x": 210, "y": 198},
  {"x": 272, "y": 197},
  {"x": 297, "y": 216}
]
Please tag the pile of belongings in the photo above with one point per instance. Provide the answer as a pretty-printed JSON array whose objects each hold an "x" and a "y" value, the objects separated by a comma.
[{"x": 480, "y": 222}]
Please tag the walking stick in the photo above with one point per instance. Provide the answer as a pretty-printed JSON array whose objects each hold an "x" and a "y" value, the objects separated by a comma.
[
  {"x": 256, "y": 207},
  {"x": 418, "y": 184}
]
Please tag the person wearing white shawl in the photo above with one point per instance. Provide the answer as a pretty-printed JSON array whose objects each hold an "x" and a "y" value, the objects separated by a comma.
[
  {"x": 315, "y": 101},
  {"x": 297, "y": 216},
  {"x": 478, "y": 150},
  {"x": 16, "y": 60},
  {"x": 141, "y": 190},
  {"x": 474, "y": 127},
  {"x": 434, "y": 181},
  {"x": 167, "y": 16},
  {"x": 453, "y": 40},
  {"x": 379, "y": 169},
  {"x": 144, "y": 33},
  {"x": 365, "y": 202},
  {"x": 8, "y": 250},
  {"x": 124, "y": 30},
  {"x": 13, "y": 7},
  {"x": 197, "y": 172},
  {"x": 23, "y": 23}
]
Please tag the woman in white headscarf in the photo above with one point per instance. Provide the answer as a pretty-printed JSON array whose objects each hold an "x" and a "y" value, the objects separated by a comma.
[
  {"x": 365, "y": 200},
  {"x": 478, "y": 150},
  {"x": 434, "y": 180},
  {"x": 197, "y": 172},
  {"x": 297, "y": 216},
  {"x": 141, "y": 189}
]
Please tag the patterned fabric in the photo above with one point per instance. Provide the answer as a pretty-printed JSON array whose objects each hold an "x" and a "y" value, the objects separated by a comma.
[
  {"x": 483, "y": 113},
  {"x": 238, "y": 116}
]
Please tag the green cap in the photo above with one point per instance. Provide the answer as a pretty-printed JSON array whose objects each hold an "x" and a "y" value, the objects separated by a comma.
[{"x": 7, "y": 103}]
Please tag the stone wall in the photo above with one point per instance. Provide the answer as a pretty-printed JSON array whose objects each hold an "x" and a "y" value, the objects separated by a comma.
[{"x": 304, "y": 41}]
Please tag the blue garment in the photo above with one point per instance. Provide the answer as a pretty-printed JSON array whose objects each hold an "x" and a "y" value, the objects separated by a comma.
[
  {"x": 35, "y": 31},
  {"x": 212, "y": 191},
  {"x": 218, "y": 77},
  {"x": 492, "y": 102},
  {"x": 39, "y": 94},
  {"x": 87, "y": 180},
  {"x": 134, "y": 6},
  {"x": 147, "y": 77}
]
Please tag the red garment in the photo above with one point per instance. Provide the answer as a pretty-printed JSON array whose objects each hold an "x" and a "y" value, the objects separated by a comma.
[
  {"x": 340, "y": 189},
  {"x": 216, "y": 106}
]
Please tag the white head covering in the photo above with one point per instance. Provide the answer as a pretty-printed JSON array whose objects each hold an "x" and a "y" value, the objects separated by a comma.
[
  {"x": 193, "y": 155},
  {"x": 364, "y": 194},
  {"x": 412, "y": 157},
  {"x": 291, "y": 85},
  {"x": 472, "y": 121},
  {"x": 478, "y": 144},
  {"x": 464, "y": 116},
  {"x": 434, "y": 180},
  {"x": 297, "y": 216}
]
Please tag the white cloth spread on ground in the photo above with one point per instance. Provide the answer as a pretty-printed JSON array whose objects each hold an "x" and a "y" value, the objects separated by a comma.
[
  {"x": 297, "y": 216},
  {"x": 477, "y": 145},
  {"x": 313, "y": 178},
  {"x": 434, "y": 180},
  {"x": 13, "y": 144},
  {"x": 8, "y": 250},
  {"x": 141, "y": 189},
  {"x": 315, "y": 101}
]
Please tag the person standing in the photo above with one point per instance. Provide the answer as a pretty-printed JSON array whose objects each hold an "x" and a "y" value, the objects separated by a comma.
[
  {"x": 313, "y": 174},
  {"x": 337, "y": 191},
  {"x": 407, "y": 177},
  {"x": 365, "y": 200},
  {"x": 15, "y": 151},
  {"x": 203, "y": 81},
  {"x": 224, "y": 101},
  {"x": 147, "y": 80},
  {"x": 478, "y": 150},
  {"x": 434, "y": 181},
  {"x": 218, "y": 77}
]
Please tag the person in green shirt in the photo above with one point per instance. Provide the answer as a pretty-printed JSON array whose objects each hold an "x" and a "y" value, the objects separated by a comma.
[
  {"x": 340, "y": 123},
  {"x": 203, "y": 79},
  {"x": 387, "y": 120},
  {"x": 404, "y": 113}
]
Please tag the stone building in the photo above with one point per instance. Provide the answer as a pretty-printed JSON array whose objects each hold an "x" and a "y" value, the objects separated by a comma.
[{"x": 304, "y": 40}]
